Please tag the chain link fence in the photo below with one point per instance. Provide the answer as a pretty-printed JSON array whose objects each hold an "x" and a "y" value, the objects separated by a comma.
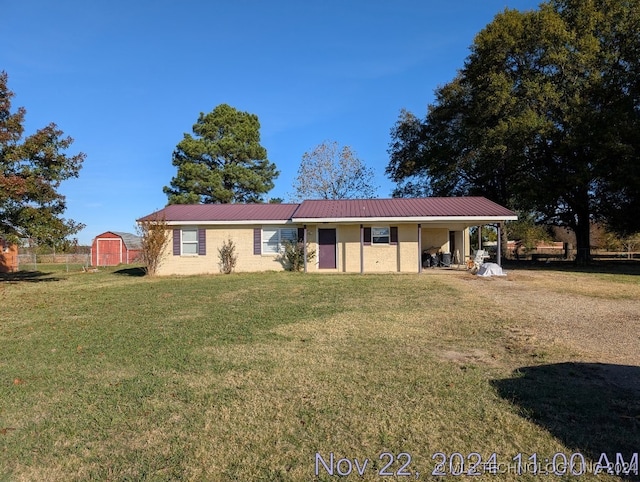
[
  {"x": 71, "y": 262},
  {"x": 113, "y": 259}
]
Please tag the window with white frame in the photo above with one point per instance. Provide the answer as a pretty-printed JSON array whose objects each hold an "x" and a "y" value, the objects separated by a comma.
[
  {"x": 380, "y": 235},
  {"x": 273, "y": 239},
  {"x": 189, "y": 241}
]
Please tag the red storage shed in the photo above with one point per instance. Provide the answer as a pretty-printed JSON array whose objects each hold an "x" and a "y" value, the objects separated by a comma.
[
  {"x": 113, "y": 248},
  {"x": 8, "y": 257}
]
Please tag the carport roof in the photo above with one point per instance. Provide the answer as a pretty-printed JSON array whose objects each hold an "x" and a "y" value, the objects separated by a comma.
[{"x": 397, "y": 208}]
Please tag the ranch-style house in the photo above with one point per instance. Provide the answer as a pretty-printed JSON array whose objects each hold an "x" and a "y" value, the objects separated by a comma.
[{"x": 351, "y": 235}]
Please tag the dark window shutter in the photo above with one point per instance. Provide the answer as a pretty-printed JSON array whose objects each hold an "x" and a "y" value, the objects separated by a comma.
[
  {"x": 257, "y": 238},
  {"x": 301, "y": 235},
  {"x": 176, "y": 242},
  {"x": 202, "y": 242},
  {"x": 393, "y": 231},
  {"x": 367, "y": 236}
]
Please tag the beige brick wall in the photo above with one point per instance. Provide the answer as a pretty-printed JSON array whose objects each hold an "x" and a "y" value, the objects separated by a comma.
[
  {"x": 403, "y": 257},
  {"x": 438, "y": 238},
  {"x": 210, "y": 263},
  {"x": 349, "y": 248},
  {"x": 409, "y": 252}
]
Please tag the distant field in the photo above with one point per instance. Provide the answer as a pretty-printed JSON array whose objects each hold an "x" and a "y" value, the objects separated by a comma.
[{"x": 285, "y": 376}]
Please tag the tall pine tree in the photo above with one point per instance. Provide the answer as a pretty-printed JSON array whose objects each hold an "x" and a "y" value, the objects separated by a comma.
[{"x": 223, "y": 162}]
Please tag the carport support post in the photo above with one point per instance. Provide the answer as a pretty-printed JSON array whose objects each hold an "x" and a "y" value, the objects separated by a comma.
[
  {"x": 480, "y": 237},
  {"x": 464, "y": 246},
  {"x": 499, "y": 255},
  {"x": 361, "y": 249},
  {"x": 419, "y": 248},
  {"x": 304, "y": 246}
]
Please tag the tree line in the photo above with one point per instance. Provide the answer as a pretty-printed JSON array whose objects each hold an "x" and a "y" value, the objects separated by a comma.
[{"x": 543, "y": 117}]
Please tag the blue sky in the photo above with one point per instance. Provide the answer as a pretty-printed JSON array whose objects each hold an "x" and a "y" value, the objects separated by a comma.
[{"x": 127, "y": 79}]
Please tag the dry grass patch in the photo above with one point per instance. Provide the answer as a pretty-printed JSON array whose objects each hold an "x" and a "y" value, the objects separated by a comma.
[
  {"x": 343, "y": 392},
  {"x": 592, "y": 285}
]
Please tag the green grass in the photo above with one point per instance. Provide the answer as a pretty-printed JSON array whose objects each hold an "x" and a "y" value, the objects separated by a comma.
[{"x": 107, "y": 376}]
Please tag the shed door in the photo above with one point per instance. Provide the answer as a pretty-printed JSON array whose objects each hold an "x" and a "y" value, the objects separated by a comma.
[
  {"x": 109, "y": 251},
  {"x": 327, "y": 248}
]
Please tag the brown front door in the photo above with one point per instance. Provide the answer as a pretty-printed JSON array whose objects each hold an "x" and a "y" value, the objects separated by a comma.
[{"x": 327, "y": 248}]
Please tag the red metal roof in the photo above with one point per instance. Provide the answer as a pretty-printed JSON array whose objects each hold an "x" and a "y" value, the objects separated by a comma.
[
  {"x": 400, "y": 207},
  {"x": 335, "y": 209},
  {"x": 225, "y": 212}
]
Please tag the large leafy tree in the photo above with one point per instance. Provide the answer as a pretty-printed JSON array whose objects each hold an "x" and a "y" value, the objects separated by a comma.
[
  {"x": 31, "y": 171},
  {"x": 543, "y": 117},
  {"x": 330, "y": 171},
  {"x": 223, "y": 162}
]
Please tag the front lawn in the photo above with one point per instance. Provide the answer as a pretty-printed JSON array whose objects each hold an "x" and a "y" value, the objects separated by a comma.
[{"x": 277, "y": 376}]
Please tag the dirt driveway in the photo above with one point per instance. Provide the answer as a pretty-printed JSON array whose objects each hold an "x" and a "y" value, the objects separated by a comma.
[{"x": 592, "y": 318}]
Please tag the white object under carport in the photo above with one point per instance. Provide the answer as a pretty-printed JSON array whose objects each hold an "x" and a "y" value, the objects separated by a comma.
[{"x": 490, "y": 269}]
